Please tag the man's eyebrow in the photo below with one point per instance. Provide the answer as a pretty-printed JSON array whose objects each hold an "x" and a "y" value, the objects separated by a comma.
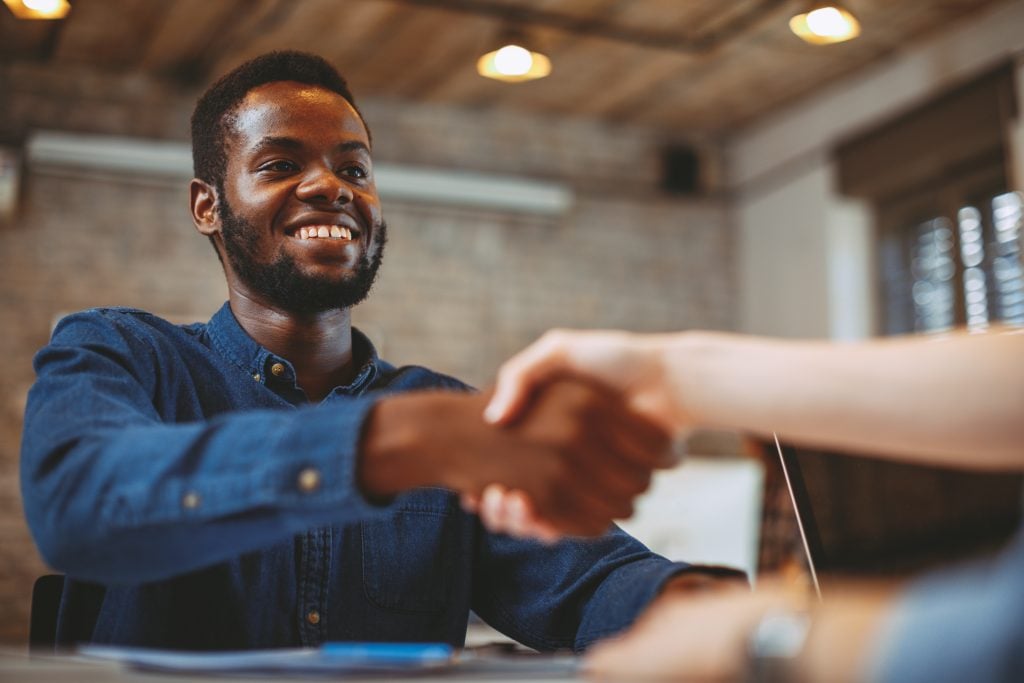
[
  {"x": 270, "y": 142},
  {"x": 353, "y": 145}
]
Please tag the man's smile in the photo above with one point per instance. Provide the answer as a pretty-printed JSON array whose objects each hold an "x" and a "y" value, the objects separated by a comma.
[
  {"x": 330, "y": 232},
  {"x": 325, "y": 228}
]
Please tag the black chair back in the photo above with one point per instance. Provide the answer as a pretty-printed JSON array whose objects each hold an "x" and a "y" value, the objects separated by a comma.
[{"x": 42, "y": 629}]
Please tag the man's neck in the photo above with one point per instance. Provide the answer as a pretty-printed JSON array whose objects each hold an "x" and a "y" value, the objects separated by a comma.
[{"x": 318, "y": 345}]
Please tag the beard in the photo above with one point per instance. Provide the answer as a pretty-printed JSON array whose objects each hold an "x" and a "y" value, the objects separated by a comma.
[{"x": 282, "y": 283}]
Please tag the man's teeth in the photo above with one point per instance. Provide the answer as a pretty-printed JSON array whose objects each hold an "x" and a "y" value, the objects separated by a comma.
[{"x": 328, "y": 231}]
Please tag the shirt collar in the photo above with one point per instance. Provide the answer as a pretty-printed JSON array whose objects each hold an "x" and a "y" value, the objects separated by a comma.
[{"x": 234, "y": 343}]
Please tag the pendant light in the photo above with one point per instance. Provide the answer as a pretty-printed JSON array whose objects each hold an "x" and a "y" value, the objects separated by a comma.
[
  {"x": 825, "y": 23},
  {"x": 513, "y": 61}
]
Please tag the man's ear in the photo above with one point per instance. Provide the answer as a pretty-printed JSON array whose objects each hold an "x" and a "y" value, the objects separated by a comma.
[{"x": 205, "y": 207}]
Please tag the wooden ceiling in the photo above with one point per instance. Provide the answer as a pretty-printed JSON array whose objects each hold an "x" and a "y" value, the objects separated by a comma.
[{"x": 693, "y": 65}]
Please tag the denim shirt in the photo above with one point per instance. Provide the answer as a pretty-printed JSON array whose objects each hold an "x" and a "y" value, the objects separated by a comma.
[{"x": 195, "y": 499}]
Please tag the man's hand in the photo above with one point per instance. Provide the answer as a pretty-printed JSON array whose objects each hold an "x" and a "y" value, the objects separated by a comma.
[
  {"x": 577, "y": 452},
  {"x": 706, "y": 637},
  {"x": 633, "y": 365},
  {"x": 682, "y": 637}
]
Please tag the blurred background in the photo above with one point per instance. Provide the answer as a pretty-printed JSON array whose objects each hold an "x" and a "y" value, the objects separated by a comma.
[{"x": 684, "y": 164}]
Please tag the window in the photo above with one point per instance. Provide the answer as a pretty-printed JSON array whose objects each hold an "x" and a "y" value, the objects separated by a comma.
[
  {"x": 964, "y": 269},
  {"x": 949, "y": 229}
]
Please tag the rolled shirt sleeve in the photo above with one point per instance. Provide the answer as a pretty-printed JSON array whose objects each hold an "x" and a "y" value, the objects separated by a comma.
[{"x": 574, "y": 593}]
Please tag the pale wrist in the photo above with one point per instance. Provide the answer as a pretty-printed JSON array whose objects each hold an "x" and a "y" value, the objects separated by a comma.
[{"x": 683, "y": 360}]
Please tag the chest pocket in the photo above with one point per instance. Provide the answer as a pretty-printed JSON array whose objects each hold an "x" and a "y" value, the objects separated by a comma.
[{"x": 408, "y": 564}]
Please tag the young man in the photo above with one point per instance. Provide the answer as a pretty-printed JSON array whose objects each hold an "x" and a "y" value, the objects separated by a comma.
[{"x": 263, "y": 480}]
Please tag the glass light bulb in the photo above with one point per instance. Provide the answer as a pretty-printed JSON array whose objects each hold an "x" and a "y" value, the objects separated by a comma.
[
  {"x": 827, "y": 21},
  {"x": 42, "y": 6},
  {"x": 513, "y": 60}
]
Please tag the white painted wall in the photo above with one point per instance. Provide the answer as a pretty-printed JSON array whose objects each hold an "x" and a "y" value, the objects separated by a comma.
[
  {"x": 805, "y": 253},
  {"x": 805, "y": 260}
]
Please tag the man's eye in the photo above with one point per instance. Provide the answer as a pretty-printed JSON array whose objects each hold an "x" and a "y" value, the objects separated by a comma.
[
  {"x": 279, "y": 166},
  {"x": 355, "y": 172}
]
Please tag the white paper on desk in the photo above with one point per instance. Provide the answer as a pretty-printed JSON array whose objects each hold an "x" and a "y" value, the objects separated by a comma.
[{"x": 287, "y": 661}]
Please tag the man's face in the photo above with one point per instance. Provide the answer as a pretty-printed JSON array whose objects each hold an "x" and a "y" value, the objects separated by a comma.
[{"x": 300, "y": 215}]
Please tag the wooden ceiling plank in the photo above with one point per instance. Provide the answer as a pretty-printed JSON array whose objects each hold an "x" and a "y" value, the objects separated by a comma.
[
  {"x": 110, "y": 33},
  {"x": 634, "y": 80},
  {"x": 301, "y": 28},
  {"x": 575, "y": 71},
  {"x": 457, "y": 48},
  {"x": 410, "y": 35},
  {"x": 577, "y": 77},
  {"x": 396, "y": 49},
  {"x": 240, "y": 39},
  {"x": 25, "y": 40},
  {"x": 186, "y": 31}
]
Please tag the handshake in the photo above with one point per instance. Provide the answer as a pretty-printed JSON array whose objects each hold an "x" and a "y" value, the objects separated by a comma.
[{"x": 552, "y": 451}]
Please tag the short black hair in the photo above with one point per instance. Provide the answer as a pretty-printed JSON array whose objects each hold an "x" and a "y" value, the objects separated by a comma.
[{"x": 212, "y": 117}]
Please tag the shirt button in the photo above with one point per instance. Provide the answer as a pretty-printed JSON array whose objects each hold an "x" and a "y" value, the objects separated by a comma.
[
  {"x": 309, "y": 480},
  {"x": 277, "y": 369},
  {"x": 190, "y": 501},
  {"x": 313, "y": 617}
]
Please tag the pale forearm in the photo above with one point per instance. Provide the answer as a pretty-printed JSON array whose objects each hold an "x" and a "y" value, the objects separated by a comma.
[{"x": 957, "y": 400}]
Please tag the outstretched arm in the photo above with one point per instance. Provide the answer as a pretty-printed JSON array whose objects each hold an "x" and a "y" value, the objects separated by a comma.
[
  {"x": 707, "y": 637},
  {"x": 576, "y": 452},
  {"x": 954, "y": 400},
  {"x": 123, "y": 485}
]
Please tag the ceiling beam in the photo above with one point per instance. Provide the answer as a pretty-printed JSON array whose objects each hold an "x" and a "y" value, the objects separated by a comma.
[{"x": 518, "y": 15}]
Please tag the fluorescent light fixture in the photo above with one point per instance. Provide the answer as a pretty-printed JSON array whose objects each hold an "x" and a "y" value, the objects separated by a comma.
[
  {"x": 471, "y": 189},
  {"x": 824, "y": 24},
  {"x": 173, "y": 160},
  {"x": 153, "y": 158},
  {"x": 38, "y": 9}
]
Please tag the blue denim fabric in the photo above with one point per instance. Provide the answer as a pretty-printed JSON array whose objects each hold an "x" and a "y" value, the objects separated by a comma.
[{"x": 162, "y": 469}]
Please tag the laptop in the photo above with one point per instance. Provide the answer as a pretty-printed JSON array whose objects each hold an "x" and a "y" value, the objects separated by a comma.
[{"x": 809, "y": 534}]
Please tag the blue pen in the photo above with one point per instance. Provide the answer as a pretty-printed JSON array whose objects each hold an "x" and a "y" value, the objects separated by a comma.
[{"x": 388, "y": 653}]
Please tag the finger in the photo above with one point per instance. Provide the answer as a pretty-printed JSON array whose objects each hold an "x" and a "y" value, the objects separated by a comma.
[
  {"x": 609, "y": 659},
  {"x": 583, "y": 511},
  {"x": 512, "y": 513},
  {"x": 636, "y": 437},
  {"x": 521, "y": 374},
  {"x": 600, "y": 465},
  {"x": 571, "y": 513},
  {"x": 503, "y": 512},
  {"x": 524, "y": 521},
  {"x": 470, "y": 502},
  {"x": 492, "y": 508},
  {"x": 620, "y": 482}
]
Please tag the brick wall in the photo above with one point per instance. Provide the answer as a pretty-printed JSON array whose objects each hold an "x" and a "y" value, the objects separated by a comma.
[{"x": 460, "y": 289}]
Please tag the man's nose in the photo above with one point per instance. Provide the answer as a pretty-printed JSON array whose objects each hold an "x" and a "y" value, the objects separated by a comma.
[{"x": 322, "y": 184}]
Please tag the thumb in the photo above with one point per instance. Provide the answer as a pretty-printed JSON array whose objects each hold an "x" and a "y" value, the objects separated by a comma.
[
  {"x": 521, "y": 374},
  {"x": 507, "y": 401}
]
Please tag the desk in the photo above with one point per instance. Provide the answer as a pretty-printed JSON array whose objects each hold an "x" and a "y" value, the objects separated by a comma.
[{"x": 17, "y": 667}]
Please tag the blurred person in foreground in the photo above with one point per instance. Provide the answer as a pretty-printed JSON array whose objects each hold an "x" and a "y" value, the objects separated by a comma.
[{"x": 954, "y": 400}]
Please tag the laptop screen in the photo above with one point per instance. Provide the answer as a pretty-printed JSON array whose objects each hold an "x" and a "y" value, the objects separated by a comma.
[{"x": 868, "y": 516}]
